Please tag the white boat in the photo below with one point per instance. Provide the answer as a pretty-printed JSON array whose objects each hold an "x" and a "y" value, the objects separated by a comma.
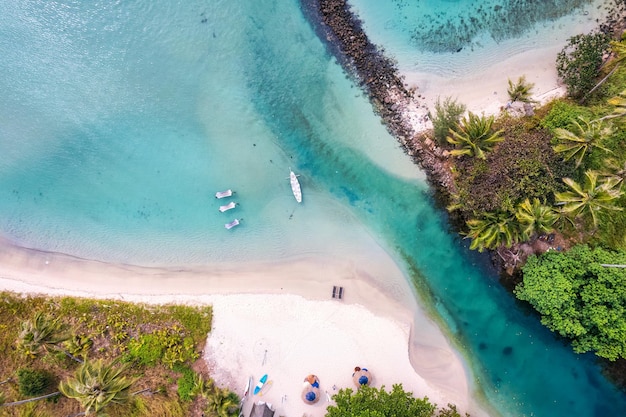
[
  {"x": 232, "y": 224},
  {"x": 222, "y": 194},
  {"x": 228, "y": 206},
  {"x": 244, "y": 397},
  {"x": 295, "y": 186}
]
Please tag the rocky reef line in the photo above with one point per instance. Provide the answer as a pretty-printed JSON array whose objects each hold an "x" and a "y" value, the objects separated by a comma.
[{"x": 378, "y": 75}]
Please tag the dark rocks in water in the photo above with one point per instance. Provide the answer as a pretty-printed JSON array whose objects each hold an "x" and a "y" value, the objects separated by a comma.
[
  {"x": 508, "y": 350},
  {"x": 482, "y": 346},
  {"x": 378, "y": 75}
]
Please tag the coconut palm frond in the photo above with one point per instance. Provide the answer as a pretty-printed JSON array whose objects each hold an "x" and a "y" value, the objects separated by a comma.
[{"x": 97, "y": 384}]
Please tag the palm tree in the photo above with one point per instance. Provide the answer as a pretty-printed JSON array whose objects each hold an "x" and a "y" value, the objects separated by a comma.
[
  {"x": 535, "y": 217},
  {"x": 222, "y": 403},
  {"x": 575, "y": 144},
  {"x": 97, "y": 384},
  {"x": 202, "y": 387},
  {"x": 590, "y": 198},
  {"x": 620, "y": 105},
  {"x": 614, "y": 169},
  {"x": 520, "y": 91},
  {"x": 619, "y": 51},
  {"x": 40, "y": 334},
  {"x": 492, "y": 231},
  {"x": 475, "y": 136}
]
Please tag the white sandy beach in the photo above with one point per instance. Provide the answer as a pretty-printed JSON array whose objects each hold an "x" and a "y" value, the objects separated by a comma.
[
  {"x": 278, "y": 319},
  {"x": 478, "y": 75}
]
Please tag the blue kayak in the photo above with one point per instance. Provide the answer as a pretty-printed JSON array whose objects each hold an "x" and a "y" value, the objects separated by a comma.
[{"x": 259, "y": 386}]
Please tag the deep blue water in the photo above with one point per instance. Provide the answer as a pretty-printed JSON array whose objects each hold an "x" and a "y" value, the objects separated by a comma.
[{"x": 119, "y": 120}]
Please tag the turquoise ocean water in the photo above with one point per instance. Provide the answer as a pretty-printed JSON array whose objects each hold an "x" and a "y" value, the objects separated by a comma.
[{"x": 120, "y": 120}]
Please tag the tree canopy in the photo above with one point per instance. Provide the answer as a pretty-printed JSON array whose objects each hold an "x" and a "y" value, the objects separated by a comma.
[
  {"x": 579, "y": 298},
  {"x": 578, "y": 64},
  {"x": 373, "y": 402}
]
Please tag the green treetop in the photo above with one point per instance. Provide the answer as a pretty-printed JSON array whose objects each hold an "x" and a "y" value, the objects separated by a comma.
[{"x": 580, "y": 295}]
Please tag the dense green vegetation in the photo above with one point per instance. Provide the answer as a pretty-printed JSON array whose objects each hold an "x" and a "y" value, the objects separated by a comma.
[
  {"x": 105, "y": 357},
  {"x": 580, "y": 297},
  {"x": 550, "y": 181},
  {"x": 368, "y": 401},
  {"x": 447, "y": 116},
  {"x": 579, "y": 63}
]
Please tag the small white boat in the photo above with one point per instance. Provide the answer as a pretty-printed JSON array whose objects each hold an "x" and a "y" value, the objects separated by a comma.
[
  {"x": 295, "y": 186},
  {"x": 232, "y": 224},
  {"x": 228, "y": 206},
  {"x": 222, "y": 194},
  {"x": 244, "y": 397}
]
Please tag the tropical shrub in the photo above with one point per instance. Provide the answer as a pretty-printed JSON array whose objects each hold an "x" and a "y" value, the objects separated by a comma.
[
  {"x": 186, "y": 383},
  {"x": 581, "y": 139},
  {"x": 590, "y": 199},
  {"x": 447, "y": 116},
  {"x": 42, "y": 333},
  {"x": 222, "y": 403},
  {"x": 614, "y": 75},
  {"x": 32, "y": 382},
  {"x": 98, "y": 384},
  {"x": 579, "y": 298},
  {"x": 612, "y": 232},
  {"x": 535, "y": 218},
  {"x": 493, "y": 230},
  {"x": 167, "y": 346},
  {"x": 619, "y": 103},
  {"x": 474, "y": 136},
  {"x": 578, "y": 63},
  {"x": 562, "y": 113},
  {"x": 522, "y": 166},
  {"x": 520, "y": 90},
  {"x": 78, "y": 345},
  {"x": 370, "y": 401}
]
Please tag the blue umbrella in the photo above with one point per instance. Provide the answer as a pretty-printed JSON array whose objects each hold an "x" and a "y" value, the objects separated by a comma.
[
  {"x": 361, "y": 377},
  {"x": 311, "y": 394},
  {"x": 311, "y": 391}
]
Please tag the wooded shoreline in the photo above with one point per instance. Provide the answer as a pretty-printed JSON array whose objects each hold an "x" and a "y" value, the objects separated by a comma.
[{"x": 368, "y": 66}]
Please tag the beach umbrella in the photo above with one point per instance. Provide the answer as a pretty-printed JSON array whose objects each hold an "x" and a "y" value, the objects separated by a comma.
[
  {"x": 361, "y": 377},
  {"x": 312, "y": 380},
  {"x": 311, "y": 394}
]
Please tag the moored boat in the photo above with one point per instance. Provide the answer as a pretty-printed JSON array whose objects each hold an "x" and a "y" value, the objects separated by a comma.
[
  {"x": 232, "y": 224},
  {"x": 222, "y": 194},
  {"x": 295, "y": 186},
  {"x": 228, "y": 206},
  {"x": 244, "y": 397}
]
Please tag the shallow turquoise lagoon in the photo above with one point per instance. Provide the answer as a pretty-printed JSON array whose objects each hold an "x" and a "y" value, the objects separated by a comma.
[{"x": 120, "y": 120}]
